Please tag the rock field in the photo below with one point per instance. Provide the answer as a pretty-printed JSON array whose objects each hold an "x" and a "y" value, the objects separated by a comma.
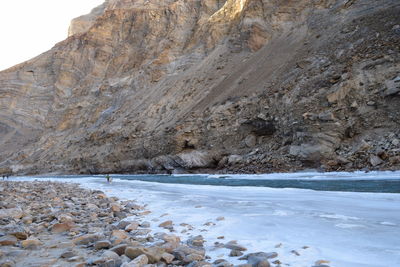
[{"x": 60, "y": 224}]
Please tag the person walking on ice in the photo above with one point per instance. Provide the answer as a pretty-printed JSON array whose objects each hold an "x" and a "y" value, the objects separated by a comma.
[{"x": 109, "y": 179}]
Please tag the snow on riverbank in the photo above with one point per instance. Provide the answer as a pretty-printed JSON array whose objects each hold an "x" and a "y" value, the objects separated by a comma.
[{"x": 346, "y": 228}]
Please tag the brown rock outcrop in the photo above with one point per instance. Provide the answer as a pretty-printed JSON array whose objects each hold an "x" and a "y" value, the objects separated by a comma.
[{"x": 153, "y": 86}]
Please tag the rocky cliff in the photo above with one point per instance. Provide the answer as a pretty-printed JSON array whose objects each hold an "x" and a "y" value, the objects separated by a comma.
[{"x": 213, "y": 85}]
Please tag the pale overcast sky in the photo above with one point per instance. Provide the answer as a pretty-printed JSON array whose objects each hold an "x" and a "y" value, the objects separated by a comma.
[{"x": 31, "y": 27}]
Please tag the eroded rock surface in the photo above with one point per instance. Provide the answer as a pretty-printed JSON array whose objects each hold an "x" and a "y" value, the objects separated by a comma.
[{"x": 236, "y": 85}]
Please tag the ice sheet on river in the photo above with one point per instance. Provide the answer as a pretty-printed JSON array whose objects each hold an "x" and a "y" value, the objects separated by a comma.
[{"x": 346, "y": 228}]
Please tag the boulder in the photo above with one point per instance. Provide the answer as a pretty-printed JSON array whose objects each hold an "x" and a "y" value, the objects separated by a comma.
[
  {"x": 154, "y": 254},
  {"x": 62, "y": 227},
  {"x": 86, "y": 239},
  {"x": 310, "y": 151},
  {"x": 68, "y": 254},
  {"x": 265, "y": 255},
  {"x": 196, "y": 241},
  {"x": 102, "y": 244},
  {"x": 31, "y": 243},
  {"x": 168, "y": 258},
  {"x": 188, "y": 254},
  {"x": 222, "y": 263},
  {"x": 259, "y": 127},
  {"x": 7, "y": 263},
  {"x": 119, "y": 234},
  {"x": 115, "y": 207},
  {"x": 8, "y": 240},
  {"x": 166, "y": 224},
  {"x": 326, "y": 116},
  {"x": 170, "y": 246},
  {"x": 250, "y": 140},
  {"x": 234, "y": 246},
  {"x": 19, "y": 233},
  {"x": 256, "y": 261},
  {"x": 65, "y": 218},
  {"x": 193, "y": 257},
  {"x": 197, "y": 159},
  {"x": 140, "y": 261},
  {"x": 392, "y": 87},
  {"x": 375, "y": 160},
  {"x": 15, "y": 213},
  {"x": 145, "y": 224},
  {"x": 123, "y": 224},
  {"x": 235, "y": 159},
  {"x": 235, "y": 253},
  {"x": 119, "y": 249},
  {"x": 170, "y": 238},
  {"x": 110, "y": 255},
  {"x": 132, "y": 226}
]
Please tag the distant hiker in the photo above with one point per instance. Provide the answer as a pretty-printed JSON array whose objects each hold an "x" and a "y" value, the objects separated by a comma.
[
  {"x": 109, "y": 179},
  {"x": 4, "y": 177}
]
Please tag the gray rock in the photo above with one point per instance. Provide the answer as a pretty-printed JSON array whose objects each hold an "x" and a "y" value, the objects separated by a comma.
[
  {"x": 166, "y": 224},
  {"x": 145, "y": 224},
  {"x": 234, "y": 246},
  {"x": 102, "y": 244},
  {"x": 395, "y": 142},
  {"x": 125, "y": 259},
  {"x": 168, "y": 258},
  {"x": 235, "y": 159},
  {"x": 326, "y": 116},
  {"x": 235, "y": 253},
  {"x": 222, "y": 263},
  {"x": 132, "y": 226},
  {"x": 193, "y": 257},
  {"x": 188, "y": 254},
  {"x": 86, "y": 239},
  {"x": 119, "y": 249},
  {"x": 8, "y": 240},
  {"x": 265, "y": 255},
  {"x": 392, "y": 87},
  {"x": 110, "y": 255},
  {"x": 153, "y": 254},
  {"x": 310, "y": 151},
  {"x": 110, "y": 263},
  {"x": 7, "y": 263},
  {"x": 15, "y": 213},
  {"x": 138, "y": 261},
  {"x": 199, "y": 264},
  {"x": 196, "y": 159},
  {"x": 375, "y": 160},
  {"x": 250, "y": 140},
  {"x": 256, "y": 261},
  {"x": 196, "y": 241},
  {"x": 123, "y": 224},
  {"x": 68, "y": 254}
]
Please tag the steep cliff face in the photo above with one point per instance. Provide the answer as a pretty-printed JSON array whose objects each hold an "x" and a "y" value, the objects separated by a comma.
[{"x": 235, "y": 85}]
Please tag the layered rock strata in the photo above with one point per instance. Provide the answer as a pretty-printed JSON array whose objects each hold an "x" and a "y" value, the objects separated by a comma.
[{"x": 236, "y": 85}]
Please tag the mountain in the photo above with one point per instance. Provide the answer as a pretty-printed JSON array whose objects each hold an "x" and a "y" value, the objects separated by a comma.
[{"x": 210, "y": 86}]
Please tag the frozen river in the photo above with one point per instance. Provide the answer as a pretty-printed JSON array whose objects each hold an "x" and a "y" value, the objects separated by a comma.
[{"x": 353, "y": 228}]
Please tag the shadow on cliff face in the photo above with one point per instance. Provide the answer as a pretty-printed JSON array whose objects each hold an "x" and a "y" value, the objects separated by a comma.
[{"x": 210, "y": 86}]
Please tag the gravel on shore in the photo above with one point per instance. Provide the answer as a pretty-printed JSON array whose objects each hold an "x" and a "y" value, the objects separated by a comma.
[{"x": 61, "y": 224}]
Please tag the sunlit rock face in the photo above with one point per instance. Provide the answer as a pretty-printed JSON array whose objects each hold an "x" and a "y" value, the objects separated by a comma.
[{"x": 256, "y": 85}]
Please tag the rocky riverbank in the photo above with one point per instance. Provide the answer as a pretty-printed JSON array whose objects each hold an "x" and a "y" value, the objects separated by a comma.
[{"x": 59, "y": 224}]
